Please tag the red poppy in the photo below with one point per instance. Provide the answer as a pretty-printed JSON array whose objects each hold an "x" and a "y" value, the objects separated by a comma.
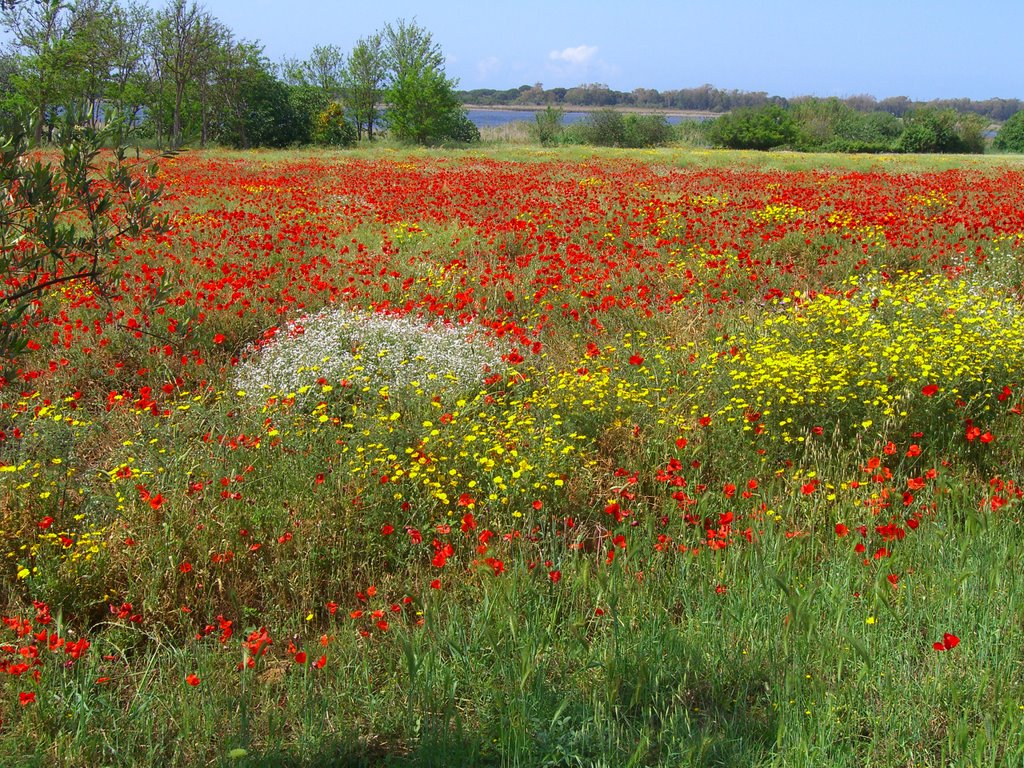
[{"x": 949, "y": 642}]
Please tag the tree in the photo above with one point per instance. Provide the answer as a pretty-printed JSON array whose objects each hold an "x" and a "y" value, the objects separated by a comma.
[
  {"x": 1010, "y": 137},
  {"x": 183, "y": 45},
  {"x": 363, "y": 82},
  {"x": 308, "y": 103},
  {"x": 423, "y": 107},
  {"x": 255, "y": 108},
  {"x": 325, "y": 69},
  {"x": 127, "y": 84},
  {"x": 59, "y": 222},
  {"x": 42, "y": 34}
]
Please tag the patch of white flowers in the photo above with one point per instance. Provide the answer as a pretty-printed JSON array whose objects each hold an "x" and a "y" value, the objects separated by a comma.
[{"x": 366, "y": 350}]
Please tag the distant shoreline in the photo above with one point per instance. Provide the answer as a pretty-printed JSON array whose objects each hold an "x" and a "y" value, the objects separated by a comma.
[{"x": 686, "y": 113}]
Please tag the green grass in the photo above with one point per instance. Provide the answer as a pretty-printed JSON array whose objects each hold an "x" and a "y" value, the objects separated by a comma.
[
  {"x": 512, "y": 146},
  {"x": 808, "y": 658}
]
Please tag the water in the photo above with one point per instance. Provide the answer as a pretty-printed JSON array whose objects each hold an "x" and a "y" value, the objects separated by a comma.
[{"x": 489, "y": 118}]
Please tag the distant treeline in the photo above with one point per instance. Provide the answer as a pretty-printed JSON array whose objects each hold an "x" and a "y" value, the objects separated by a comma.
[{"x": 707, "y": 98}]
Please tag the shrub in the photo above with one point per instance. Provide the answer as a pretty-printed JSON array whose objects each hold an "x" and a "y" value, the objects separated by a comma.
[
  {"x": 605, "y": 128},
  {"x": 829, "y": 125},
  {"x": 1010, "y": 137},
  {"x": 931, "y": 130},
  {"x": 332, "y": 129},
  {"x": 307, "y": 103},
  {"x": 647, "y": 131},
  {"x": 547, "y": 126},
  {"x": 264, "y": 117},
  {"x": 695, "y": 133},
  {"x": 609, "y": 128},
  {"x": 755, "y": 128},
  {"x": 459, "y": 128}
]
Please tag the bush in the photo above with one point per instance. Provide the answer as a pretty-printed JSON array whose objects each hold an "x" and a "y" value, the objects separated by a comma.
[
  {"x": 609, "y": 128},
  {"x": 547, "y": 126},
  {"x": 605, "y": 128},
  {"x": 647, "y": 131},
  {"x": 829, "y": 125},
  {"x": 307, "y": 103},
  {"x": 755, "y": 128},
  {"x": 1010, "y": 137},
  {"x": 265, "y": 116},
  {"x": 459, "y": 128},
  {"x": 932, "y": 130},
  {"x": 332, "y": 129},
  {"x": 694, "y": 133}
]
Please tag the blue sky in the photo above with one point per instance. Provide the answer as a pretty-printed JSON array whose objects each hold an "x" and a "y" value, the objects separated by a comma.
[{"x": 923, "y": 49}]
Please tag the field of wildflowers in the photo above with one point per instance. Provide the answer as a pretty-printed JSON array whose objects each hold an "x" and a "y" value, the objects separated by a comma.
[{"x": 424, "y": 460}]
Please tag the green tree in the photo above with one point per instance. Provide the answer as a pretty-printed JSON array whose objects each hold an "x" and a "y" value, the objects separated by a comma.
[
  {"x": 60, "y": 221},
  {"x": 363, "y": 83},
  {"x": 128, "y": 82},
  {"x": 423, "y": 107},
  {"x": 42, "y": 35},
  {"x": 184, "y": 43},
  {"x": 308, "y": 102},
  {"x": 258, "y": 110},
  {"x": 1010, "y": 137},
  {"x": 324, "y": 69}
]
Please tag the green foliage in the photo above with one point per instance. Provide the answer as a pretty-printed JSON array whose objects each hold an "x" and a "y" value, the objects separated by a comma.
[
  {"x": 611, "y": 128},
  {"x": 307, "y": 103},
  {"x": 1010, "y": 137},
  {"x": 332, "y": 129},
  {"x": 755, "y": 128},
  {"x": 264, "y": 116},
  {"x": 460, "y": 128},
  {"x": 831, "y": 125},
  {"x": 647, "y": 130},
  {"x": 931, "y": 130},
  {"x": 547, "y": 126},
  {"x": 605, "y": 128},
  {"x": 59, "y": 222},
  {"x": 693, "y": 133},
  {"x": 423, "y": 107},
  {"x": 363, "y": 82}
]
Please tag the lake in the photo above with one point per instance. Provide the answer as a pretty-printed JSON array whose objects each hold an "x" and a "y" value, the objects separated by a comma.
[{"x": 489, "y": 118}]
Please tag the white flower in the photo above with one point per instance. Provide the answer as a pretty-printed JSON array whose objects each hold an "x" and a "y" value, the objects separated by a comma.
[{"x": 367, "y": 349}]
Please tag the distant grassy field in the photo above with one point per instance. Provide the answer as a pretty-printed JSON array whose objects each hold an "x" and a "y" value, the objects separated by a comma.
[{"x": 528, "y": 456}]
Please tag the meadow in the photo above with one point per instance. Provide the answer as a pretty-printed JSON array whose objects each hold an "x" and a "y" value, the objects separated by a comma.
[{"x": 527, "y": 457}]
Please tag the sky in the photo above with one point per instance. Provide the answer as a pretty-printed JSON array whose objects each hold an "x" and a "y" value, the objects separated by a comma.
[{"x": 923, "y": 49}]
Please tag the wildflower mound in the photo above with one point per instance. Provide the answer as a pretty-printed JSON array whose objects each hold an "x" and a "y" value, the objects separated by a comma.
[{"x": 363, "y": 350}]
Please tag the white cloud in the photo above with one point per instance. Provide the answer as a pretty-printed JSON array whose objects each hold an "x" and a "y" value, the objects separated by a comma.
[
  {"x": 488, "y": 66},
  {"x": 579, "y": 55}
]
